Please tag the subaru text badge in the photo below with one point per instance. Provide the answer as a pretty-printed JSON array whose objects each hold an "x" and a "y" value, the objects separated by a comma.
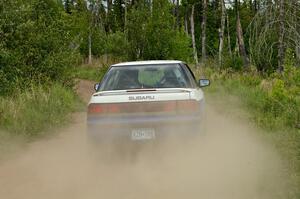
[{"x": 142, "y": 97}]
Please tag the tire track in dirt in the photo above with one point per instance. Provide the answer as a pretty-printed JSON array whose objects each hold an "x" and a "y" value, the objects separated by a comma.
[{"x": 229, "y": 162}]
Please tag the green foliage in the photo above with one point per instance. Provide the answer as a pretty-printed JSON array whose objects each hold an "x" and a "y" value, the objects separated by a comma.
[
  {"x": 90, "y": 73},
  {"x": 35, "y": 110},
  {"x": 138, "y": 18},
  {"x": 181, "y": 47},
  {"x": 274, "y": 101},
  {"x": 154, "y": 37},
  {"x": 69, "y": 5},
  {"x": 143, "y": 37},
  {"x": 159, "y": 31},
  {"x": 235, "y": 62},
  {"x": 36, "y": 44},
  {"x": 117, "y": 45},
  {"x": 98, "y": 43},
  {"x": 118, "y": 15}
]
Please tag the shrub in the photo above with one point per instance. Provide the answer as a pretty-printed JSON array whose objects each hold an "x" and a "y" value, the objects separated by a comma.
[
  {"x": 90, "y": 73},
  {"x": 151, "y": 35},
  {"x": 117, "y": 45},
  {"x": 234, "y": 62},
  {"x": 181, "y": 47},
  {"x": 36, "y": 46},
  {"x": 36, "y": 109},
  {"x": 274, "y": 101}
]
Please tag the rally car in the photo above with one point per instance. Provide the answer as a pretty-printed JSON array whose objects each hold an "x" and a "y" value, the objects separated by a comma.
[{"x": 146, "y": 100}]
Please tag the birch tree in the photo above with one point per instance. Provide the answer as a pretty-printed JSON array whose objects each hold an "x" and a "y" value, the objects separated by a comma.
[
  {"x": 203, "y": 29},
  {"x": 228, "y": 36},
  {"x": 193, "y": 34},
  {"x": 221, "y": 31},
  {"x": 240, "y": 36},
  {"x": 281, "y": 36}
]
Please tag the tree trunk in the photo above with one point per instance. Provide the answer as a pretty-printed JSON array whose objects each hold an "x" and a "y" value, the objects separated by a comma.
[
  {"x": 240, "y": 37},
  {"x": 228, "y": 36},
  {"x": 186, "y": 30},
  {"x": 255, "y": 5},
  {"x": 221, "y": 32},
  {"x": 236, "y": 47},
  {"x": 193, "y": 34},
  {"x": 90, "y": 48},
  {"x": 125, "y": 15},
  {"x": 281, "y": 36},
  {"x": 297, "y": 50},
  {"x": 177, "y": 14},
  {"x": 174, "y": 14},
  {"x": 203, "y": 28},
  {"x": 151, "y": 6},
  {"x": 109, "y": 5}
]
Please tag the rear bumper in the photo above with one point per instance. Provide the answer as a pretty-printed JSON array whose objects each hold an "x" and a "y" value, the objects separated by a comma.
[{"x": 121, "y": 128}]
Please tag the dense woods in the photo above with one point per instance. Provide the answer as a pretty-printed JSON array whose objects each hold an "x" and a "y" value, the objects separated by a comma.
[{"x": 41, "y": 40}]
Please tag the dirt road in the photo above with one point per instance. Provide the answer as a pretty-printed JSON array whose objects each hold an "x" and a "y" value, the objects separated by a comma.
[{"x": 230, "y": 162}]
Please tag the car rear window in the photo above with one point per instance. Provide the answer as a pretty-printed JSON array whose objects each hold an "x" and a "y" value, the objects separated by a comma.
[{"x": 145, "y": 76}]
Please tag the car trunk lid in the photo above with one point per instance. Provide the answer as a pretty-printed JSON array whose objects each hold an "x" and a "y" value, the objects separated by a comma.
[{"x": 142, "y": 101}]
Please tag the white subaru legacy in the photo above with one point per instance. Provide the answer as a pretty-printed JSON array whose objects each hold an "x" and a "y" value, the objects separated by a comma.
[{"x": 146, "y": 100}]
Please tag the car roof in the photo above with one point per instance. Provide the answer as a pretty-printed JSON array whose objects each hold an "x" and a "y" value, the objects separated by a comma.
[{"x": 150, "y": 62}]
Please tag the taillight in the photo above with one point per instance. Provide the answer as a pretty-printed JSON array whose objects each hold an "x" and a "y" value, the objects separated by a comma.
[
  {"x": 96, "y": 108},
  {"x": 145, "y": 107},
  {"x": 103, "y": 108},
  {"x": 113, "y": 108},
  {"x": 187, "y": 106}
]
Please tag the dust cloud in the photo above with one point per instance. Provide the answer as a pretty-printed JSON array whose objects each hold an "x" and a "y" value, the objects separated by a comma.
[{"x": 230, "y": 162}]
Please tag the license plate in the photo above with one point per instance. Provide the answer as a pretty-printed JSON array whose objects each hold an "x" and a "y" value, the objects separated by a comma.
[{"x": 143, "y": 134}]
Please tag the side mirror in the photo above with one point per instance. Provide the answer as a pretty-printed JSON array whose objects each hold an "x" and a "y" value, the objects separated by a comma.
[
  {"x": 97, "y": 86},
  {"x": 204, "y": 82}
]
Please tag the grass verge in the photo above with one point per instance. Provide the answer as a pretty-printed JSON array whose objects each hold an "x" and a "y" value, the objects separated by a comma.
[
  {"x": 90, "y": 73},
  {"x": 34, "y": 112},
  {"x": 270, "y": 102}
]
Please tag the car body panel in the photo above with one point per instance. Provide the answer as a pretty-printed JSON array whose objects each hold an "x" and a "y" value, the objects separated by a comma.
[
  {"x": 151, "y": 62},
  {"x": 163, "y": 94}
]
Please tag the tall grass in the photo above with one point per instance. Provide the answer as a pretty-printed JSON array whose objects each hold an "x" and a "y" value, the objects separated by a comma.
[
  {"x": 273, "y": 101},
  {"x": 32, "y": 112},
  {"x": 270, "y": 102},
  {"x": 90, "y": 73}
]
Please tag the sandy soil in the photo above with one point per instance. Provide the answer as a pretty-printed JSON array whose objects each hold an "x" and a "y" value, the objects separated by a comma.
[{"x": 230, "y": 162}]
